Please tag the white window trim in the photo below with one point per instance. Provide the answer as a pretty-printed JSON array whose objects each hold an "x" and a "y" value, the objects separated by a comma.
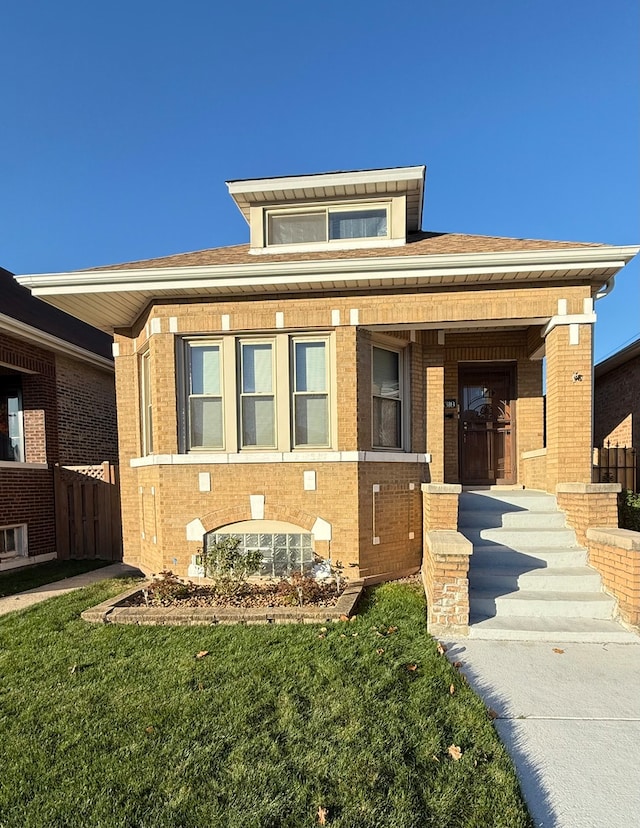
[
  {"x": 21, "y": 551},
  {"x": 283, "y": 385},
  {"x": 403, "y": 383}
]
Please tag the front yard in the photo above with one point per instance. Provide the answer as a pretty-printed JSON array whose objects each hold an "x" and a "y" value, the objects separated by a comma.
[{"x": 283, "y": 726}]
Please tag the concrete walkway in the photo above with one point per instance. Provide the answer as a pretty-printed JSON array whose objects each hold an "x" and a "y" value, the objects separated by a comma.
[
  {"x": 570, "y": 721},
  {"x": 34, "y": 596}
]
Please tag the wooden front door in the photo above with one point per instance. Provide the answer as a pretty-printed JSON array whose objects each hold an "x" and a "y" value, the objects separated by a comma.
[{"x": 487, "y": 424}]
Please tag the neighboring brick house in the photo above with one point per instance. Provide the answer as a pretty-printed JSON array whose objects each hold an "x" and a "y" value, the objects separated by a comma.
[
  {"x": 301, "y": 389},
  {"x": 617, "y": 399},
  {"x": 57, "y": 406}
]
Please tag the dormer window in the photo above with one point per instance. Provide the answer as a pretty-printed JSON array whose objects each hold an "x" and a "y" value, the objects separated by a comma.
[
  {"x": 357, "y": 210},
  {"x": 327, "y": 224}
]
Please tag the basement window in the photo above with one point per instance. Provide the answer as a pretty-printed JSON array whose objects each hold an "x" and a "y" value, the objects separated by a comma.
[{"x": 13, "y": 541}]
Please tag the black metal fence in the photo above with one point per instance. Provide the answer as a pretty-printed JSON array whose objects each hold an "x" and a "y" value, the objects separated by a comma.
[{"x": 616, "y": 464}]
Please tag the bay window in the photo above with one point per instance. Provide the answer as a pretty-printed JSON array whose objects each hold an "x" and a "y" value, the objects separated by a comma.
[{"x": 256, "y": 393}]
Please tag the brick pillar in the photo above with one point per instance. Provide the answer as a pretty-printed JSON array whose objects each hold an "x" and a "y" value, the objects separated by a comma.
[
  {"x": 440, "y": 505},
  {"x": 569, "y": 404},
  {"x": 589, "y": 504},
  {"x": 445, "y": 575},
  {"x": 434, "y": 384}
]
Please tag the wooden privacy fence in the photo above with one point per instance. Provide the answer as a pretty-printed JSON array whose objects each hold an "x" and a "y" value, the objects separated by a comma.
[
  {"x": 87, "y": 502},
  {"x": 616, "y": 464}
]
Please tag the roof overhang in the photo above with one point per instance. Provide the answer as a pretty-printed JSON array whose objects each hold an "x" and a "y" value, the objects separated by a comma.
[
  {"x": 111, "y": 299},
  {"x": 334, "y": 185},
  {"x": 624, "y": 355},
  {"x": 20, "y": 330}
]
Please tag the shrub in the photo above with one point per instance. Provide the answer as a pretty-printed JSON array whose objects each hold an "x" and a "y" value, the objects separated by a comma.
[
  {"x": 167, "y": 587},
  {"x": 629, "y": 510},
  {"x": 230, "y": 566},
  {"x": 299, "y": 589}
]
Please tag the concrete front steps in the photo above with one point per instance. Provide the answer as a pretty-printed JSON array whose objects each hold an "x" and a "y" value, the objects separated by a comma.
[{"x": 528, "y": 578}]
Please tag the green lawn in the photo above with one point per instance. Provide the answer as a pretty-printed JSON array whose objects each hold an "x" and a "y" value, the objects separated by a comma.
[
  {"x": 107, "y": 726},
  {"x": 19, "y": 580}
]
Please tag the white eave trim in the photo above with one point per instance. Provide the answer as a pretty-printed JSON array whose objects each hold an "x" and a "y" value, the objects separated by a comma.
[
  {"x": 351, "y": 270},
  {"x": 332, "y": 179},
  {"x": 14, "y": 327}
]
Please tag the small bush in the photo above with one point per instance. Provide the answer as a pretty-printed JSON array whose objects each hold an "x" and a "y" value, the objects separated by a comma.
[
  {"x": 168, "y": 587},
  {"x": 230, "y": 566},
  {"x": 629, "y": 510},
  {"x": 299, "y": 589}
]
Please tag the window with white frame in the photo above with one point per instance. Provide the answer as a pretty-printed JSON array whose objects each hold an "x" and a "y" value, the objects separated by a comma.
[
  {"x": 328, "y": 224},
  {"x": 253, "y": 393},
  {"x": 310, "y": 403},
  {"x": 13, "y": 541},
  {"x": 11, "y": 423},
  {"x": 146, "y": 410},
  {"x": 387, "y": 392},
  {"x": 205, "y": 400},
  {"x": 257, "y": 395}
]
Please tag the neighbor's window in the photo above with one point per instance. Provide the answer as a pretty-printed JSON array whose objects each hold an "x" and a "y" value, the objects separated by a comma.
[
  {"x": 146, "y": 410},
  {"x": 206, "y": 417},
  {"x": 12, "y": 541},
  {"x": 332, "y": 224},
  {"x": 310, "y": 393},
  {"x": 387, "y": 398},
  {"x": 11, "y": 429},
  {"x": 257, "y": 395}
]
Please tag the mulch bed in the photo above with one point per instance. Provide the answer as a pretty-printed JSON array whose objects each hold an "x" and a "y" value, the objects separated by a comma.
[{"x": 252, "y": 596}]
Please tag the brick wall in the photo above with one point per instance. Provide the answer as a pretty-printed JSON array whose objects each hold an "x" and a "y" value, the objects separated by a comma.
[
  {"x": 617, "y": 406},
  {"x": 615, "y": 553},
  {"x": 26, "y": 497},
  {"x": 86, "y": 413}
]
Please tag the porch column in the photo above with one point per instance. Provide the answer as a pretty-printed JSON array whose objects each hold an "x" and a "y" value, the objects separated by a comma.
[
  {"x": 434, "y": 384},
  {"x": 569, "y": 352}
]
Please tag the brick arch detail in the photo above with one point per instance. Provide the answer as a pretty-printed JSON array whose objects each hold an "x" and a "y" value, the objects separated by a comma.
[{"x": 240, "y": 512}]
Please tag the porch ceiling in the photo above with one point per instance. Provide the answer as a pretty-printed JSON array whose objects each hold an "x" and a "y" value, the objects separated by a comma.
[{"x": 110, "y": 299}]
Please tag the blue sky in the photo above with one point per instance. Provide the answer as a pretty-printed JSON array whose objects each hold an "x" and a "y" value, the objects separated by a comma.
[{"x": 122, "y": 120}]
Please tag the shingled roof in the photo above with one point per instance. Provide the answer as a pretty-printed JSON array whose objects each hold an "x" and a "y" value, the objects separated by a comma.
[
  {"x": 19, "y": 304},
  {"x": 420, "y": 244}
]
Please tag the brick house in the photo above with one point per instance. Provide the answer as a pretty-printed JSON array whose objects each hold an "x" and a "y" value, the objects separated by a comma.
[
  {"x": 617, "y": 398},
  {"x": 57, "y": 406},
  {"x": 329, "y": 386}
]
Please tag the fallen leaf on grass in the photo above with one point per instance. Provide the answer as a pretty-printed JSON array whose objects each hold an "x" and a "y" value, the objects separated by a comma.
[
  {"x": 320, "y": 635},
  {"x": 353, "y": 618},
  {"x": 492, "y": 713},
  {"x": 452, "y": 689},
  {"x": 392, "y": 630},
  {"x": 557, "y": 650},
  {"x": 379, "y": 651},
  {"x": 412, "y": 667},
  {"x": 149, "y": 729},
  {"x": 202, "y": 653},
  {"x": 435, "y": 758},
  {"x": 454, "y": 752},
  {"x": 354, "y": 634},
  {"x": 441, "y": 648},
  {"x": 322, "y": 815},
  {"x": 344, "y": 617},
  {"x": 457, "y": 664}
]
